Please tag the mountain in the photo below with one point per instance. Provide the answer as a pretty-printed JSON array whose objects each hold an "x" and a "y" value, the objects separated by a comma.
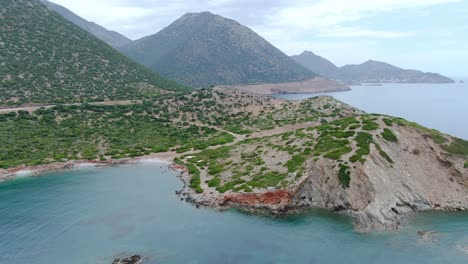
[
  {"x": 112, "y": 38},
  {"x": 44, "y": 58},
  {"x": 203, "y": 49},
  {"x": 376, "y": 71},
  {"x": 369, "y": 71},
  {"x": 316, "y": 63}
]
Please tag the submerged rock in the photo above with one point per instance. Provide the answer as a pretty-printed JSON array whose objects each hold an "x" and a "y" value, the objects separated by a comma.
[
  {"x": 426, "y": 235},
  {"x": 130, "y": 260}
]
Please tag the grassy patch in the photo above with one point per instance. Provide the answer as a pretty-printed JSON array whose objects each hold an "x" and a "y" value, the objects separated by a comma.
[
  {"x": 368, "y": 124},
  {"x": 388, "y": 122},
  {"x": 338, "y": 153},
  {"x": 458, "y": 147},
  {"x": 265, "y": 180},
  {"x": 388, "y": 135},
  {"x": 327, "y": 143},
  {"x": 363, "y": 140},
  {"x": 295, "y": 163}
]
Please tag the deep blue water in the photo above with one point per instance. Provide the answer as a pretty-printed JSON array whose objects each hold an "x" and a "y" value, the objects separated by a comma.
[
  {"x": 93, "y": 215},
  {"x": 440, "y": 106}
]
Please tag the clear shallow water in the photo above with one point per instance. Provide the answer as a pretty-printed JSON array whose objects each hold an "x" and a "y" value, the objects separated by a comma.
[
  {"x": 92, "y": 215},
  {"x": 440, "y": 106}
]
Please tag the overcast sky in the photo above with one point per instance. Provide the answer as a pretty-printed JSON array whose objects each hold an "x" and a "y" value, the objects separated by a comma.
[{"x": 430, "y": 35}]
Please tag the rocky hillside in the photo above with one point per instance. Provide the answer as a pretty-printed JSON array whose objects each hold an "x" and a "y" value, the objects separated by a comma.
[
  {"x": 367, "y": 72},
  {"x": 47, "y": 59},
  {"x": 112, "y": 38},
  {"x": 256, "y": 152},
  {"x": 323, "y": 153},
  {"x": 203, "y": 49}
]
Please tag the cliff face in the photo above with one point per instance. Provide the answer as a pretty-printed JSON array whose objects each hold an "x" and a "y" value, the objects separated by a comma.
[{"x": 423, "y": 176}]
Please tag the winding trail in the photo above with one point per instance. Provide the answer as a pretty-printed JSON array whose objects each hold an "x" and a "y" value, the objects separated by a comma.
[{"x": 36, "y": 107}]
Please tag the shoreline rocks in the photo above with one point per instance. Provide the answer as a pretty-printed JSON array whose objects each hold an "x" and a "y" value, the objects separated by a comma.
[{"x": 38, "y": 170}]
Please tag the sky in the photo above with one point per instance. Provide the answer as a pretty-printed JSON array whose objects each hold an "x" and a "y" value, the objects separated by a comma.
[{"x": 428, "y": 35}]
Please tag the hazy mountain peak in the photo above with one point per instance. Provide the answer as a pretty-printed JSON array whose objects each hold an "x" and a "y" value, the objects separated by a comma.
[
  {"x": 197, "y": 14},
  {"x": 307, "y": 53},
  {"x": 368, "y": 71},
  {"x": 316, "y": 63},
  {"x": 112, "y": 38}
]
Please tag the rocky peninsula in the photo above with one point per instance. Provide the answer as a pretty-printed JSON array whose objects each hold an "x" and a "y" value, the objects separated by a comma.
[{"x": 262, "y": 154}]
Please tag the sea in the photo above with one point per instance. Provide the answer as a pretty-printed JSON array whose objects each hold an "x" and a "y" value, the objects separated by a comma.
[{"x": 94, "y": 215}]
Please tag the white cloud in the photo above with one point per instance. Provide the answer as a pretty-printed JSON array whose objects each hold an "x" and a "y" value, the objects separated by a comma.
[
  {"x": 327, "y": 17},
  {"x": 354, "y": 32},
  {"x": 331, "y": 16}
]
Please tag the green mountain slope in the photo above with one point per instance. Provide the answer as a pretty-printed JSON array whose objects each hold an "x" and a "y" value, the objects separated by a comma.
[
  {"x": 46, "y": 59},
  {"x": 203, "y": 49},
  {"x": 112, "y": 38}
]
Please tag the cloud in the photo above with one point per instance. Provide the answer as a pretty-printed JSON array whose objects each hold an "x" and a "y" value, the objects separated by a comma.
[
  {"x": 354, "y": 32},
  {"x": 329, "y": 18}
]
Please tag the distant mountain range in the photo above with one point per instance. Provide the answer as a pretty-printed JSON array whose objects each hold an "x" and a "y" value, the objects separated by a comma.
[
  {"x": 46, "y": 59},
  {"x": 110, "y": 37},
  {"x": 368, "y": 72},
  {"x": 203, "y": 49}
]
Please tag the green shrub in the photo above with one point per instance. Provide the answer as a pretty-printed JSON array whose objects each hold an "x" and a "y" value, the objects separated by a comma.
[
  {"x": 369, "y": 125},
  {"x": 344, "y": 176},
  {"x": 388, "y": 122},
  {"x": 265, "y": 180},
  {"x": 199, "y": 189},
  {"x": 338, "y": 153},
  {"x": 295, "y": 163},
  {"x": 215, "y": 182},
  {"x": 363, "y": 140},
  {"x": 388, "y": 135},
  {"x": 215, "y": 169}
]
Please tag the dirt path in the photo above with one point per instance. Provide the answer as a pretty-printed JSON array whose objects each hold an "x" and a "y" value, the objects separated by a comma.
[{"x": 36, "y": 107}]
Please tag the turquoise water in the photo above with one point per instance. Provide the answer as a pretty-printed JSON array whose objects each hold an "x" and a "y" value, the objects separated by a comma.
[
  {"x": 440, "y": 106},
  {"x": 94, "y": 215}
]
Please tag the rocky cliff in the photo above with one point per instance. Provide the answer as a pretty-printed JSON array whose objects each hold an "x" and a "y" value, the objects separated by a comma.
[
  {"x": 423, "y": 176},
  {"x": 376, "y": 168}
]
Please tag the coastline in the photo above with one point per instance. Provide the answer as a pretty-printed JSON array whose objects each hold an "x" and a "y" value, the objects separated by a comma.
[{"x": 39, "y": 170}]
